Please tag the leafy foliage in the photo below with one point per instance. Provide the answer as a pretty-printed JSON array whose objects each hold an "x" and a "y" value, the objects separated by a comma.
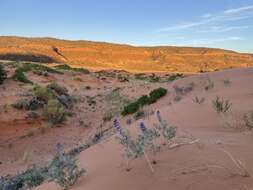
[
  {"x": 20, "y": 76},
  {"x": 144, "y": 100}
]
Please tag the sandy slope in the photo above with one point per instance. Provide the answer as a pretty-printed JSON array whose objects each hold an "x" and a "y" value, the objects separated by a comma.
[
  {"x": 198, "y": 166},
  {"x": 96, "y": 55}
]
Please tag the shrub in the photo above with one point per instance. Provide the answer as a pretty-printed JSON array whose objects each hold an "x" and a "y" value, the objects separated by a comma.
[
  {"x": 144, "y": 100},
  {"x": 248, "y": 119},
  {"x": 174, "y": 77},
  {"x": 130, "y": 108},
  {"x": 54, "y": 112},
  {"x": 26, "y": 180},
  {"x": 21, "y": 104},
  {"x": 20, "y": 76},
  {"x": 221, "y": 105},
  {"x": 60, "y": 90},
  {"x": 3, "y": 74},
  {"x": 139, "y": 115},
  {"x": 43, "y": 93},
  {"x": 64, "y": 170},
  {"x": 68, "y": 68},
  {"x": 156, "y": 94},
  {"x": 198, "y": 100},
  {"x": 25, "y": 67}
]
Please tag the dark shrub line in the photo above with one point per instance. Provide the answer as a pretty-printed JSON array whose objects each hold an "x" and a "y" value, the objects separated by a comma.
[{"x": 144, "y": 100}]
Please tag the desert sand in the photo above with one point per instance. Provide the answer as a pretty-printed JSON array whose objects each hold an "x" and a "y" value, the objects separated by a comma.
[{"x": 203, "y": 155}]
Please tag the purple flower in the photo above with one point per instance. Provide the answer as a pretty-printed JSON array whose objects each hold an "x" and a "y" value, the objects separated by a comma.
[
  {"x": 158, "y": 114},
  {"x": 143, "y": 127},
  {"x": 116, "y": 126}
]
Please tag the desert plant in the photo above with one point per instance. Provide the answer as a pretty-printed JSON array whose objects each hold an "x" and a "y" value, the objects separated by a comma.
[
  {"x": 68, "y": 68},
  {"x": 20, "y": 76},
  {"x": 31, "y": 178},
  {"x": 60, "y": 90},
  {"x": 166, "y": 131},
  {"x": 248, "y": 119},
  {"x": 139, "y": 114},
  {"x": 156, "y": 94},
  {"x": 227, "y": 82},
  {"x": 134, "y": 148},
  {"x": 210, "y": 85},
  {"x": 64, "y": 170},
  {"x": 221, "y": 105},
  {"x": 198, "y": 100},
  {"x": 130, "y": 108},
  {"x": 43, "y": 93},
  {"x": 174, "y": 77},
  {"x": 54, "y": 112},
  {"x": 3, "y": 74}
]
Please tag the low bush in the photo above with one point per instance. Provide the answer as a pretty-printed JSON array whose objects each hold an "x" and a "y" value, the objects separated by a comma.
[
  {"x": 174, "y": 77},
  {"x": 68, "y": 68},
  {"x": 43, "y": 93},
  {"x": 60, "y": 90},
  {"x": 221, "y": 105},
  {"x": 144, "y": 100},
  {"x": 156, "y": 95},
  {"x": 64, "y": 170},
  {"x": 3, "y": 74},
  {"x": 248, "y": 119},
  {"x": 54, "y": 112},
  {"x": 20, "y": 76}
]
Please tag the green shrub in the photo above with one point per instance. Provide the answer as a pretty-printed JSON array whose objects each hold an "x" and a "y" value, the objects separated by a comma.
[
  {"x": 156, "y": 94},
  {"x": 60, "y": 90},
  {"x": 3, "y": 74},
  {"x": 20, "y": 76},
  {"x": 43, "y": 93},
  {"x": 130, "y": 108},
  {"x": 25, "y": 67},
  {"x": 144, "y": 100},
  {"x": 54, "y": 112},
  {"x": 68, "y": 68}
]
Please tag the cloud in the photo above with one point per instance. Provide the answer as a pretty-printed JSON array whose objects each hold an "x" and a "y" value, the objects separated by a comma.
[
  {"x": 208, "y": 20},
  {"x": 239, "y": 10}
]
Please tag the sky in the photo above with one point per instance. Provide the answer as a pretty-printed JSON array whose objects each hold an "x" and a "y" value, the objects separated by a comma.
[{"x": 226, "y": 24}]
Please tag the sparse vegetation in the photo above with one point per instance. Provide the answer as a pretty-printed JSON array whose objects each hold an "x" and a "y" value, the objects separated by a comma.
[
  {"x": 64, "y": 170},
  {"x": 60, "y": 90},
  {"x": 154, "y": 95},
  {"x": 68, "y": 68},
  {"x": 3, "y": 74},
  {"x": 21, "y": 77},
  {"x": 248, "y": 119},
  {"x": 139, "y": 114},
  {"x": 54, "y": 112},
  {"x": 221, "y": 105},
  {"x": 210, "y": 85},
  {"x": 198, "y": 100},
  {"x": 227, "y": 82},
  {"x": 174, "y": 77}
]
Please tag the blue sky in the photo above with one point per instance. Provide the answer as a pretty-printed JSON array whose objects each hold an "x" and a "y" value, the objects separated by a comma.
[{"x": 211, "y": 23}]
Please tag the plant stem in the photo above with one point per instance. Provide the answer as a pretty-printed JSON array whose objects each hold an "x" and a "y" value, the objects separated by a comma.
[{"x": 148, "y": 161}]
